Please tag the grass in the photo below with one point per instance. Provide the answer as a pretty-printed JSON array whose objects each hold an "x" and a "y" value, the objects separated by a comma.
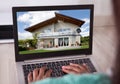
[
  {"x": 33, "y": 51},
  {"x": 43, "y": 51},
  {"x": 85, "y": 46}
]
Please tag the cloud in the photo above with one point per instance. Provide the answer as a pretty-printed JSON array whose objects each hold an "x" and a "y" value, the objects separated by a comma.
[
  {"x": 87, "y": 20},
  {"x": 85, "y": 28},
  {"x": 36, "y": 17},
  {"x": 24, "y": 18},
  {"x": 84, "y": 34},
  {"x": 25, "y": 35},
  {"x": 85, "y": 31}
]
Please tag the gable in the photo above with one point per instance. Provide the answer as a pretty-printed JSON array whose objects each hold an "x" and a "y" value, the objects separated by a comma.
[{"x": 55, "y": 20}]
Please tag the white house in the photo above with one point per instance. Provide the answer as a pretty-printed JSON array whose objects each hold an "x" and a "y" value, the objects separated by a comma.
[{"x": 59, "y": 31}]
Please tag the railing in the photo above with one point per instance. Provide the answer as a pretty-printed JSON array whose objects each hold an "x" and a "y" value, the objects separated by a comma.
[{"x": 52, "y": 34}]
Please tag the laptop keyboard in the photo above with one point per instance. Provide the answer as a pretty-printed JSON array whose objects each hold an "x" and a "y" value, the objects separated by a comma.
[{"x": 56, "y": 67}]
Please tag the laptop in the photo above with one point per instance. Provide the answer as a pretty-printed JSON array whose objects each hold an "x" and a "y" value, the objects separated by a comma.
[{"x": 52, "y": 36}]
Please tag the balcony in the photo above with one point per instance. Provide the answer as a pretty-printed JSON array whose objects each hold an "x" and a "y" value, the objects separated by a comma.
[{"x": 56, "y": 34}]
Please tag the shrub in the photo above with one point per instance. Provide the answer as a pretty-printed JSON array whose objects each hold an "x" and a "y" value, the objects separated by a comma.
[{"x": 22, "y": 48}]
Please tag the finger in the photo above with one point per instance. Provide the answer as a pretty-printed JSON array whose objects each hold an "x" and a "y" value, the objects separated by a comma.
[
  {"x": 42, "y": 72},
  {"x": 86, "y": 67},
  {"x": 67, "y": 67},
  {"x": 82, "y": 67},
  {"x": 73, "y": 68},
  {"x": 76, "y": 65},
  {"x": 69, "y": 71},
  {"x": 35, "y": 74},
  {"x": 48, "y": 73},
  {"x": 30, "y": 77}
]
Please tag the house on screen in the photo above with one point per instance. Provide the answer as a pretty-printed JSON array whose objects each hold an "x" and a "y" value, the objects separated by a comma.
[{"x": 59, "y": 31}]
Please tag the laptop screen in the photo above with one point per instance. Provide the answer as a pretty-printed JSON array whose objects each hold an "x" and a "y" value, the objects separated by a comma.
[{"x": 52, "y": 31}]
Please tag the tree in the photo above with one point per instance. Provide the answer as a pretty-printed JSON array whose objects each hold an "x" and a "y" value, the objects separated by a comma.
[{"x": 35, "y": 38}]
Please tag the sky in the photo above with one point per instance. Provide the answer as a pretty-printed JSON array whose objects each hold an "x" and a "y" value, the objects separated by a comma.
[{"x": 29, "y": 18}]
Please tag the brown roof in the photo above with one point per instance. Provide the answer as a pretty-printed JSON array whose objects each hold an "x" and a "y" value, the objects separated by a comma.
[{"x": 54, "y": 20}]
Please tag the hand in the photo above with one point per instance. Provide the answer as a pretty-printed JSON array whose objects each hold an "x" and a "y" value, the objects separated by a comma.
[
  {"x": 38, "y": 74},
  {"x": 75, "y": 68}
]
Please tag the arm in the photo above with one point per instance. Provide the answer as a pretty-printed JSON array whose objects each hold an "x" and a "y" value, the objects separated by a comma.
[
  {"x": 73, "y": 77},
  {"x": 77, "y": 79}
]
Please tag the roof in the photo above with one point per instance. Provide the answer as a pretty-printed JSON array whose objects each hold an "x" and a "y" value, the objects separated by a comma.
[{"x": 55, "y": 19}]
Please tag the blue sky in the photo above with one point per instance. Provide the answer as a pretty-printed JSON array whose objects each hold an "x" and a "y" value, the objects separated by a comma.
[
  {"x": 79, "y": 14},
  {"x": 27, "y": 19}
]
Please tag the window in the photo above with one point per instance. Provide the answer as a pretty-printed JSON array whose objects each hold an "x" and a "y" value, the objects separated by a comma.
[
  {"x": 64, "y": 30},
  {"x": 60, "y": 41},
  {"x": 66, "y": 41},
  {"x": 47, "y": 31},
  {"x": 63, "y": 41}
]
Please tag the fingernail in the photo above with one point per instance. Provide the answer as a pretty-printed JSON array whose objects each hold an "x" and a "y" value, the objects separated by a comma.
[
  {"x": 63, "y": 66},
  {"x": 84, "y": 64}
]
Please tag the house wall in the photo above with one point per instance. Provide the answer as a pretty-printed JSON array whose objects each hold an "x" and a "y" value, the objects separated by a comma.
[
  {"x": 63, "y": 25},
  {"x": 56, "y": 27},
  {"x": 73, "y": 40},
  {"x": 56, "y": 42},
  {"x": 41, "y": 30},
  {"x": 78, "y": 39}
]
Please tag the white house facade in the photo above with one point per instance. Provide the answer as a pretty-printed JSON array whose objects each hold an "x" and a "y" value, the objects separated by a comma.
[{"x": 60, "y": 31}]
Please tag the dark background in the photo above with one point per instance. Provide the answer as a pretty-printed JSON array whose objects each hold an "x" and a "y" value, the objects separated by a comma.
[{"x": 6, "y": 32}]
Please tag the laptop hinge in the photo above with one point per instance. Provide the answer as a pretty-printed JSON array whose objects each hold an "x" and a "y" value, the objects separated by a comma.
[{"x": 55, "y": 59}]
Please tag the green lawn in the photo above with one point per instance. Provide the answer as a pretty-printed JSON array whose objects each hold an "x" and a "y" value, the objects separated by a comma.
[
  {"x": 42, "y": 50},
  {"x": 85, "y": 46},
  {"x": 34, "y": 51}
]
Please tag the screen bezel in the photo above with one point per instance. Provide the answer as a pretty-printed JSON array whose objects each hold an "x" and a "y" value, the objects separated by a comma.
[{"x": 22, "y": 57}]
